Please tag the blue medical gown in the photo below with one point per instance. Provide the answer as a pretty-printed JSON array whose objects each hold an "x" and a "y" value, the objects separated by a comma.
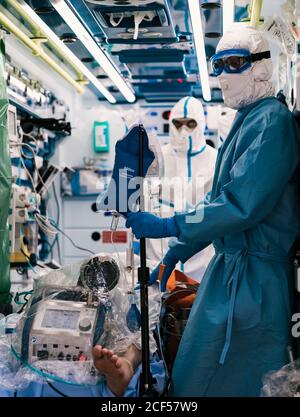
[{"x": 239, "y": 326}]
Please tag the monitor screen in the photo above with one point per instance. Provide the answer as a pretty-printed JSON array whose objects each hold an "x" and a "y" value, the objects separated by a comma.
[{"x": 60, "y": 319}]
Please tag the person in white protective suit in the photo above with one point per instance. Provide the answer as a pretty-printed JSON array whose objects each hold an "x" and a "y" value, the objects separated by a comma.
[{"x": 187, "y": 174}]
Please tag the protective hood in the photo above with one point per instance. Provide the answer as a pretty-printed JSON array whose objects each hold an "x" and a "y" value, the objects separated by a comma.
[
  {"x": 185, "y": 140},
  {"x": 240, "y": 90},
  {"x": 225, "y": 122}
]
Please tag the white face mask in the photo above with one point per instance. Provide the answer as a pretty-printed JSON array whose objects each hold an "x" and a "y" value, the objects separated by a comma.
[
  {"x": 181, "y": 138},
  {"x": 240, "y": 90}
]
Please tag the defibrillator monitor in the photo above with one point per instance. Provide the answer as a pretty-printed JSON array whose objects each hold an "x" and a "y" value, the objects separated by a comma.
[
  {"x": 62, "y": 330},
  {"x": 68, "y": 313},
  {"x": 60, "y": 319}
]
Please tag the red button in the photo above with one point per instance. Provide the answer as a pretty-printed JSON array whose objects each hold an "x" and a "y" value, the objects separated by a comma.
[{"x": 82, "y": 358}]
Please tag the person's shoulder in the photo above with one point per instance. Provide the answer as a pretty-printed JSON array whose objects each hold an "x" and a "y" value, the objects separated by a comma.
[
  {"x": 272, "y": 111},
  {"x": 273, "y": 106}
]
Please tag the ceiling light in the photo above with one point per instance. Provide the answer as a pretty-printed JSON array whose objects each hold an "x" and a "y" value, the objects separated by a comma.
[
  {"x": 73, "y": 58},
  {"x": 89, "y": 43},
  {"x": 196, "y": 20}
]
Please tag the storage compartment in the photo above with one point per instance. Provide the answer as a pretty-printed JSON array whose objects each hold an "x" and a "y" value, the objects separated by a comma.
[
  {"x": 134, "y": 22},
  {"x": 126, "y": 19}
]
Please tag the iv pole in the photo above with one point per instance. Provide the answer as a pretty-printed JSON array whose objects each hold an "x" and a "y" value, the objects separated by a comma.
[{"x": 146, "y": 386}]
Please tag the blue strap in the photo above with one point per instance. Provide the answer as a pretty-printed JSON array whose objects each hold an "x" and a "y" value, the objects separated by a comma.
[
  {"x": 234, "y": 273},
  {"x": 185, "y": 109},
  {"x": 198, "y": 152},
  {"x": 190, "y": 153},
  {"x": 231, "y": 278},
  {"x": 189, "y": 167}
]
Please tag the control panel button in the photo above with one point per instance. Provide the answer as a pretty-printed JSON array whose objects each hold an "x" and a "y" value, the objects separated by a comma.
[
  {"x": 85, "y": 325},
  {"x": 42, "y": 354},
  {"x": 82, "y": 357}
]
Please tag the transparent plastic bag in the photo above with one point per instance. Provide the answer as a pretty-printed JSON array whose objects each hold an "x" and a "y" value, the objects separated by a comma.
[
  {"x": 70, "y": 311},
  {"x": 283, "y": 383}
]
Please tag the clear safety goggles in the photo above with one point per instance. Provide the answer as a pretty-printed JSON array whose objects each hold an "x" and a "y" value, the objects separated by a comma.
[
  {"x": 190, "y": 123},
  {"x": 235, "y": 61}
]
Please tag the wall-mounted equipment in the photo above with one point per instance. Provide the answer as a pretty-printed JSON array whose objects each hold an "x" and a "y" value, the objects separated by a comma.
[
  {"x": 101, "y": 136},
  {"x": 12, "y": 124},
  {"x": 52, "y": 124},
  {"x": 23, "y": 228},
  {"x": 38, "y": 51},
  {"x": 47, "y": 179}
]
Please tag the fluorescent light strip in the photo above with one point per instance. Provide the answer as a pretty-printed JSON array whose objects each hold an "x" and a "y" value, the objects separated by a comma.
[
  {"x": 89, "y": 43},
  {"x": 228, "y": 14},
  {"x": 195, "y": 14},
  {"x": 81, "y": 67}
]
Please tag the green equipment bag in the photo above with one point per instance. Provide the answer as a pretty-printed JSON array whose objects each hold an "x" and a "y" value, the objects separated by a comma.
[{"x": 5, "y": 191}]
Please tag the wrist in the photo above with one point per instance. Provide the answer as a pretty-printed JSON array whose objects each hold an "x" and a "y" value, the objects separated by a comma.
[{"x": 170, "y": 258}]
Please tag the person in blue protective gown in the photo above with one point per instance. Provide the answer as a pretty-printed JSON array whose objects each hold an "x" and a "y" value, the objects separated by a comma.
[{"x": 239, "y": 326}]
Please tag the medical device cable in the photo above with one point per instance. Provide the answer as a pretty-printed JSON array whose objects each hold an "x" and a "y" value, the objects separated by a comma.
[
  {"x": 42, "y": 221},
  {"x": 34, "y": 154},
  {"x": 56, "y": 240},
  {"x": 57, "y": 390},
  {"x": 133, "y": 319},
  {"x": 113, "y": 227},
  {"x": 68, "y": 237}
]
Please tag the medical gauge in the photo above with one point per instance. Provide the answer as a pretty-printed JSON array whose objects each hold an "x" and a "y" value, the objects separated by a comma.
[{"x": 100, "y": 272}]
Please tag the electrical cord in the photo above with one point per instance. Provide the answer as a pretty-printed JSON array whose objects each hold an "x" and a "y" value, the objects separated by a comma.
[
  {"x": 25, "y": 295},
  {"x": 28, "y": 260},
  {"x": 57, "y": 390},
  {"x": 57, "y": 203},
  {"x": 44, "y": 241},
  {"x": 68, "y": 237},
  {"x": 56, "y": 241}
]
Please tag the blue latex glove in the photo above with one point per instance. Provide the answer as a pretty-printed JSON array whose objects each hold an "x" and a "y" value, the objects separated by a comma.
[
  {"x": 147, "y": 225},
  {"x": 170, "y": 260}
]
